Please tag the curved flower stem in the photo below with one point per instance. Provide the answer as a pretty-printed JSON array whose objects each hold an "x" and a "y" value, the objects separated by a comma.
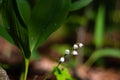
[{"x": 24, "y": 74}]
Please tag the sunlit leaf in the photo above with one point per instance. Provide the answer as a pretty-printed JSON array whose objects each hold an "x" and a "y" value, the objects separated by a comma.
[{"x": 62, "y": 74}]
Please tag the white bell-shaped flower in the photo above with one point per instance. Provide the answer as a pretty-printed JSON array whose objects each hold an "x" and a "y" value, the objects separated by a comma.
[
  {"x": 67, "y": 51},
  {"x": 75, "y": 46},
  {"x": 81, "y": 45},
  {"x": 74, "y": 52},
  {"x": 62, "y": 59}
]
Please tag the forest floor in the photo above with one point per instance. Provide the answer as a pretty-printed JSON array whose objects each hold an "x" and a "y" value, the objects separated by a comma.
[{"x": 39, "y": 68}]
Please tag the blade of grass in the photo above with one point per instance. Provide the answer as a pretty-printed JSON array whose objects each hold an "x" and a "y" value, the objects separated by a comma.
[
  {"x": 99, "y": 27},
  {"x": 102, "y": 53}
]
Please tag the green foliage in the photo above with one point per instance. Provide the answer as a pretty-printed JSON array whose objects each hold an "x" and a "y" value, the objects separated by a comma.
[
  {"x": 28, "y": 24},
  {"x": 62, "y": 74},
  {"x": 14, "y": 27},
  {"x": 43, "y": 19},
  {"x": 99, "y": 27},
  {"x": 79, "y": 4},
  {"x": 103, "y": 53},
  {"x": 35, "y": 55},
  {"x": 5, "y": 35}
]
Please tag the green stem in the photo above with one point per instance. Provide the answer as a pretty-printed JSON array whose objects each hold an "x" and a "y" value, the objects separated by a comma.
[
  {"x": 99, "y": 27},
  {"x": 24, "y": 74}
]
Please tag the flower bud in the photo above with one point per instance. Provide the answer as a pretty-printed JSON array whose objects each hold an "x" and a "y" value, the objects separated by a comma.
[
  {"x": 67, "y": 51},
  {"x": 74, "y": 52},
  {"x": 62, "y": 59},
  {"x": 81, "y": 45},
  {"x": 75, "y": 46}
]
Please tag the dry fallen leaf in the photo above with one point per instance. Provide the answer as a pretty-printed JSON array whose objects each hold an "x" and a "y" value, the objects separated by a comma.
[{"x": 3, "y": 74}]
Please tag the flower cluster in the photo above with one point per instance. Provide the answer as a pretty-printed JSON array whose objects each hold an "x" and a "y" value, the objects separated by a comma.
[{"x": 73, "y": 52}]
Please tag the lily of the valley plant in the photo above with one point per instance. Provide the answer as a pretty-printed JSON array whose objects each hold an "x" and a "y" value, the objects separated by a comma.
[{"x": 28, "y": 23}]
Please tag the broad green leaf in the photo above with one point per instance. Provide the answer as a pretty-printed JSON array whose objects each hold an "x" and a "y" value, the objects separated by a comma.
[
  {"x": 99, "y": 27},
  {"x": 79, "y": 4},
  {"x": 14, "y": 27},
  {"x": 103, "y": 53},
  {"x": 24, "y": 10},
  {"x": 30, "y": 26},
  {"x": 46, "y": 17},
  {"x": 4, "y": 34},
  {"x": 62, "y": 74}
]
